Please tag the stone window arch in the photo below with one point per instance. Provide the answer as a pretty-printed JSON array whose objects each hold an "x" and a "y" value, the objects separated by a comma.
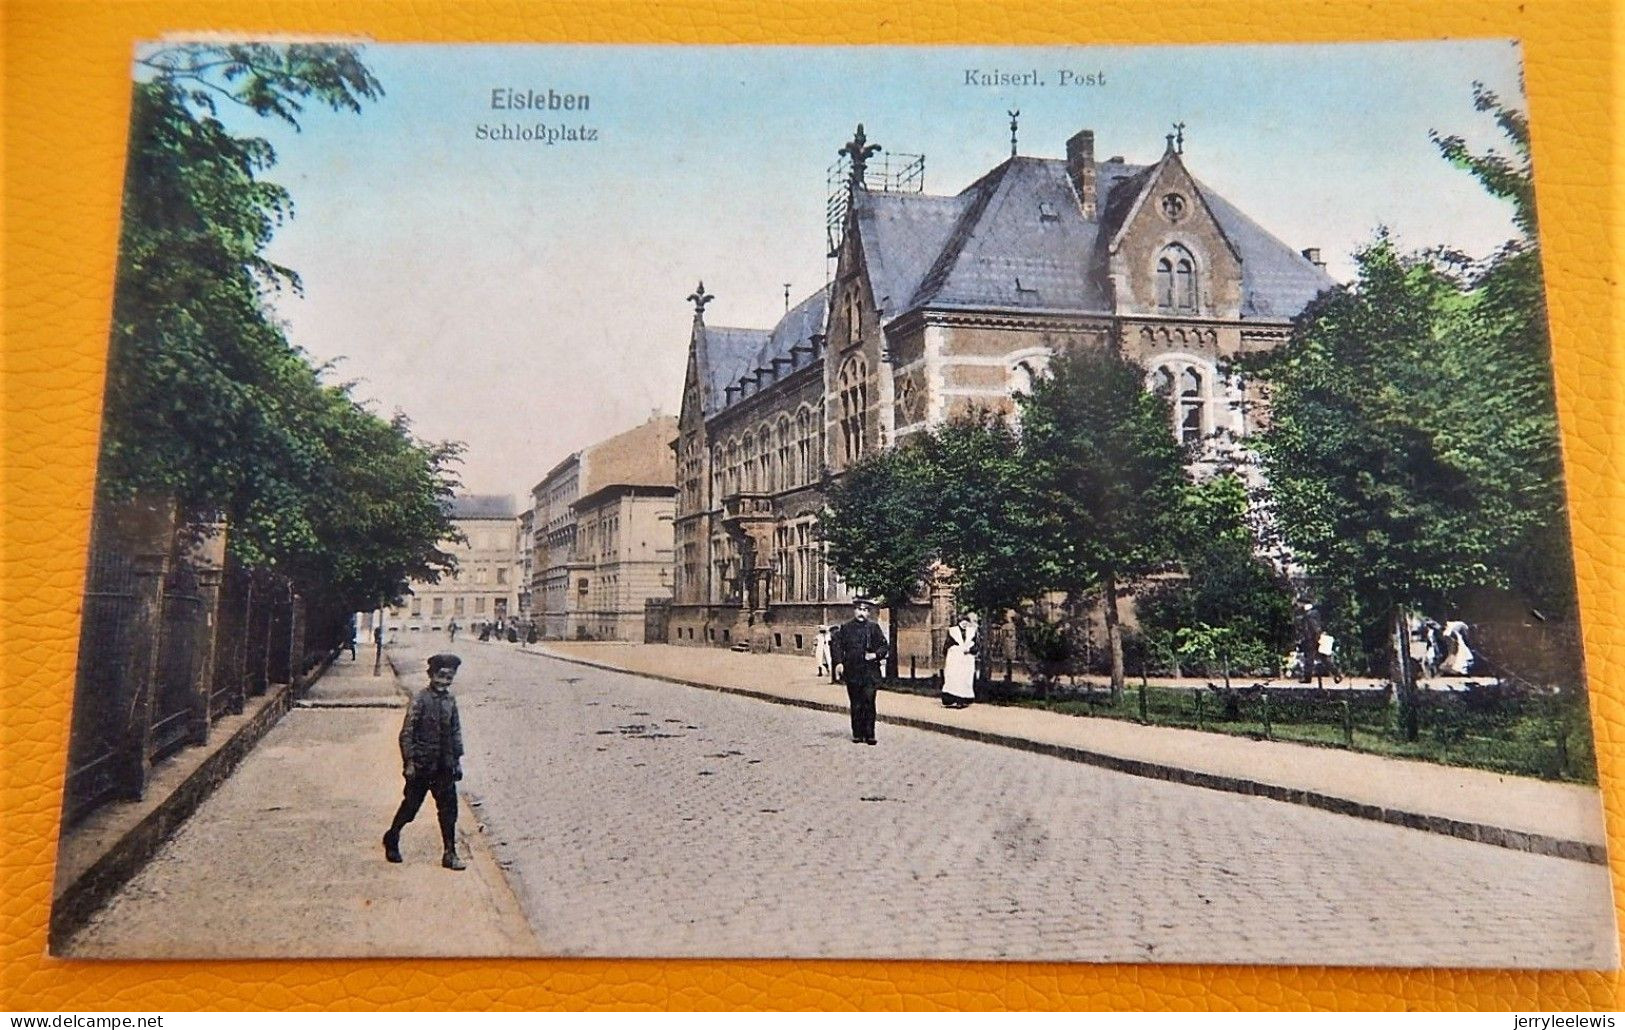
[
  {"x": 852, "y": 391},
  {"x": 1176, "y": 279},
  {"x": 854, "y": 320},
  {"x": 1190, "y": 385}
]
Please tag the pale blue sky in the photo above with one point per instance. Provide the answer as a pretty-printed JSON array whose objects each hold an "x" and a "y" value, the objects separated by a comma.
[{"x": 529, "y": 299}]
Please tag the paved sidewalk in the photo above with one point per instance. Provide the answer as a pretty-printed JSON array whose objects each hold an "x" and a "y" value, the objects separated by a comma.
[
  {"x": 1510, "y": 811},
  {"x": 286, "y": 854}
]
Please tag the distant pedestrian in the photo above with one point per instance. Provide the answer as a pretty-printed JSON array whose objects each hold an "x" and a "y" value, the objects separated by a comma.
[
  {"x": 513, "y": 631},
  {"x": 1461, "y": 658},
  {"x": 531, "y": 635},
  {"x": 485, "y": 631},
  {"x": 859, "y": 649},
  {"x": 431, "y": 760},
  {"x": 821, "y": 651},
  {"x": 452, "y": 628},
  {"x": 349, "y": 638},
  {"x": 1309, "y": 631},
  {"x": 959, "y": 663}
]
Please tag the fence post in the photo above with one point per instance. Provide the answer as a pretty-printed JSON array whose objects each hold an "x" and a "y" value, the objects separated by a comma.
[
  {"x": 1144, "y": 714},
  {"x": 1269, "y": 733},
  {"x": 1199, "y": 709},
  {"x": 150, "y": 530},
  {"x": 1007, "y": 669},
  {"x": 912, "y": 663},
  {"x": 209, "y": 558},
  {"x": 1348, "y": 725}
]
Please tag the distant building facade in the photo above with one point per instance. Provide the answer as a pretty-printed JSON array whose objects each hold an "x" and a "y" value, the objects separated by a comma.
[
  {"x": 602, "y": 535},
  {"x": 485, "y": 587},
  {"x": 941, "y": 305}
]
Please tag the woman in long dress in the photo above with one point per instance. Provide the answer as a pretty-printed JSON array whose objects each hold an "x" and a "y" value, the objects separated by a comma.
[
  {"x": 959, "y": 664},
  {"x": 821, "y": 650}
]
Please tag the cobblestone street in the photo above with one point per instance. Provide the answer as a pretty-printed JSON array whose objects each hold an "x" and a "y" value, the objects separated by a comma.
[{"x": 636, "y": 817}]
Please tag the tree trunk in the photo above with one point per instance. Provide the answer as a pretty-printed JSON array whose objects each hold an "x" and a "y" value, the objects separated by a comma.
[
  {"x": 1404, "y": 677},
  {"x": 891, "y": 654},
  {"x": 1114, "y": 636}
]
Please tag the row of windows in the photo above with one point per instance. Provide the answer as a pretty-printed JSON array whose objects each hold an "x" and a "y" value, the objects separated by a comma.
[
  {"x": 767, "y": 459},
  {"x": 461, "y": 604}
]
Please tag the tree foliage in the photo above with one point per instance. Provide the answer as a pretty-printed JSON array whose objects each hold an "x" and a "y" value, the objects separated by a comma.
[
  {"x": 1228, "y": 603},
  {"x": 1413, "y": 451},
  {"x": 1107, "y": 478},
  {"x": 207, "y": 400}
]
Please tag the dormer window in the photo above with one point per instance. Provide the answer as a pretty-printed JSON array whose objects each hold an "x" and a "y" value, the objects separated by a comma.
[
  {"x": 1176, "y": 279},
  {"x": 1047, "y": 212}
]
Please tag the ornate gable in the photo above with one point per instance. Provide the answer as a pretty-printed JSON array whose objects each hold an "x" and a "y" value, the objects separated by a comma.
[{"x": 1169, "y": 256}]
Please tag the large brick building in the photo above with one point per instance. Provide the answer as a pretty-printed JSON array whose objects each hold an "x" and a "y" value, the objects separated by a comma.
[{"x": 940, "y": 305}]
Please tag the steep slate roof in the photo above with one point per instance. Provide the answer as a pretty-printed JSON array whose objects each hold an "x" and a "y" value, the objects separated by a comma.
[
  {"x": 723, "y": 354},
  {"x": 901, "y": 235},
  {"x": 482, "y": 506},
  {"x": 1018, "y": 240},
  {"x": 1276, "y": 281}
]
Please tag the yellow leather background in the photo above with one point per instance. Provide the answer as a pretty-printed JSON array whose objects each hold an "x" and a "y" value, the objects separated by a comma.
[{"x": 66, "y": 100}]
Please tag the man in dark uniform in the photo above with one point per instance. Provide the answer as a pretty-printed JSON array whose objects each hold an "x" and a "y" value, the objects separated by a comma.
[
  {"x": 431, "y": 757},
  {"x": 1309, "y": 629},
  {"x": 859, "y": 649}
]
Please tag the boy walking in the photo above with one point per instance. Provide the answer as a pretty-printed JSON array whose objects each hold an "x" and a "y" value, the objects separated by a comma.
[{"x": 431, "y": 757}]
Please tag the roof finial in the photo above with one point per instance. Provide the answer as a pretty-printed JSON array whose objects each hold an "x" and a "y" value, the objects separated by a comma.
[
  {"x": 1179, "y": 137},
  {"x": 860, "y": 150},
  {"x": 700, "y": 299},
  {"x": 1013, "y": 116},
  {"x": 1170, "y": 147},
  {"x": 787, "y": 296}
]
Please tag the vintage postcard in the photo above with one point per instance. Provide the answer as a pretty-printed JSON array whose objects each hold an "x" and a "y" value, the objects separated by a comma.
[{"x": 1066, "y": 504}]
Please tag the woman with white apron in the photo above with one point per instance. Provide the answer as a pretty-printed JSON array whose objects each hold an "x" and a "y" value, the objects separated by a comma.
[{"x": 959, "y": 664}]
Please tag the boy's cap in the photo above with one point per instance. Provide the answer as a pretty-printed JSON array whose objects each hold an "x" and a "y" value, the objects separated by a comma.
[{"x": 444, "y": 661}]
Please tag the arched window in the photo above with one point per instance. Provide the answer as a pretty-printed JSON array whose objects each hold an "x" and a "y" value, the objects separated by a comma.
[
  {"x": 853, "y": 391},
  {"x": 747, "y": 460},
  {"x": 1165, "y": 283},
  {"x": 1188, "y": 385},
  {"x": 733, "y": 484},
  {"x": 854, "y": 323},
  {"x": 716, "y": 475},
  {"x": 821, "y": 449},
  {"x": 1192, "y": 406},
  {"x": 804, "y": 444},
  {"x": 786, "y": 476},
  {"x": 764, "y": 460},
  {"x": 1184, "y": 285},
  {"x": 1176, "y": 279}
]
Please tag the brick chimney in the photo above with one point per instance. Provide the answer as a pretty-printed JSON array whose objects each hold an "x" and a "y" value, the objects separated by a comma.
[{"x": 1080, "y": 168}]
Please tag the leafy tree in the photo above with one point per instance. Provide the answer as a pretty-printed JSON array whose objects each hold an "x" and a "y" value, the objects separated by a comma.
[
  {"x": 875, "y": 528},
  {"x": 982, "y": 514},
  {"x": 1413, "y": 452},
  {"x": 1230, "y": 604},
  {"x": 207, "y": 400},
  {"x": 1105, "y": 476}
]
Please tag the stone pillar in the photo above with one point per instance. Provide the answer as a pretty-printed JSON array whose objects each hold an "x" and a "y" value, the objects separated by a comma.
[
  {"x": 147, "y": 529},
  {"x": 208, "y": 560},
  {"x": 296, "y": 641}
]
